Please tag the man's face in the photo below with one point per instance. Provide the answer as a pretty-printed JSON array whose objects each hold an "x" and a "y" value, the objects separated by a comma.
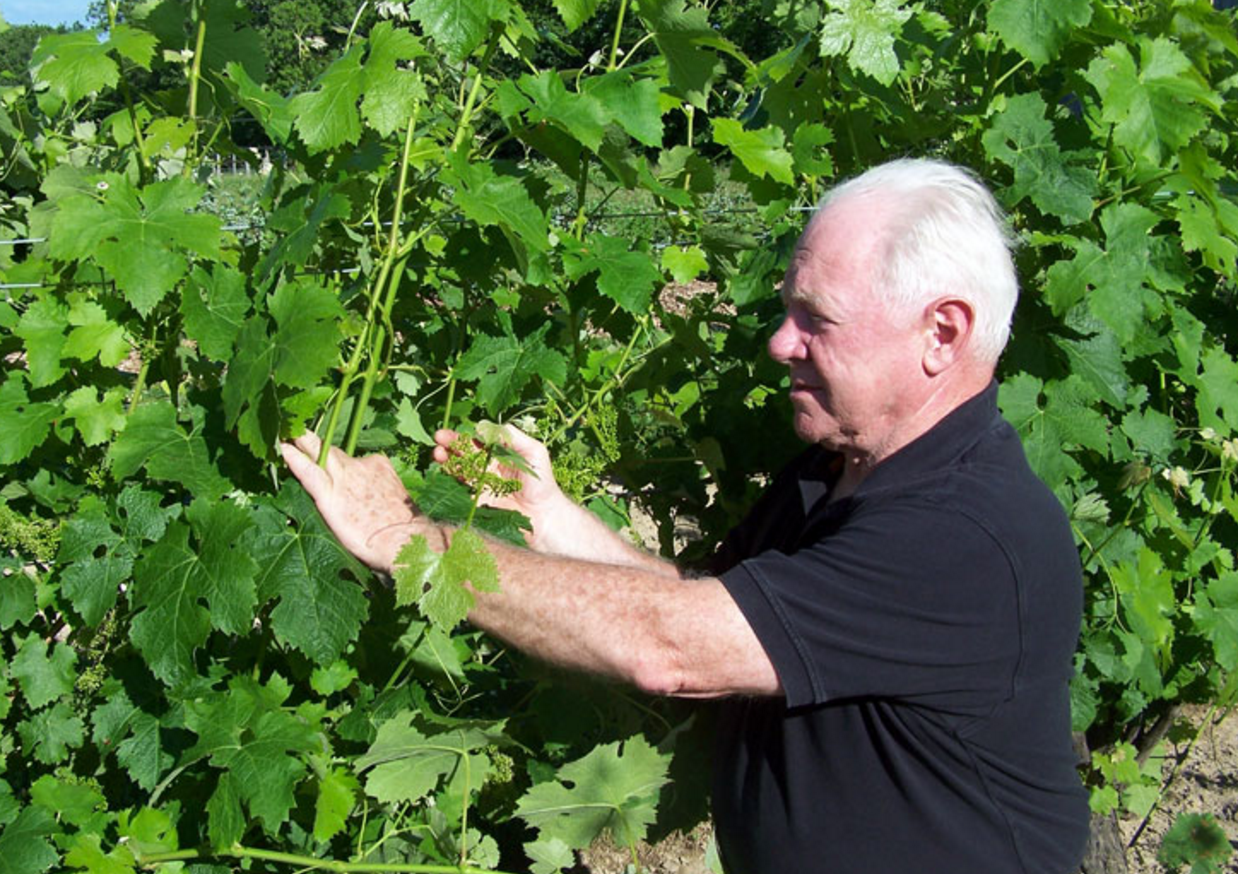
[{"x": 855, "y": 367}]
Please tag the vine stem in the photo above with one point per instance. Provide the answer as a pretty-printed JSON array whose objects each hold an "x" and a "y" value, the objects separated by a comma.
[
  {"x": 1172, "y": 776},
  {"x": 309, "y": 863},
  {"x": 614, "y": 43},
  {"x": 195, "y": 76},
  {"x": 113, "y": 9},
  {"x": 466, "y": 114}
]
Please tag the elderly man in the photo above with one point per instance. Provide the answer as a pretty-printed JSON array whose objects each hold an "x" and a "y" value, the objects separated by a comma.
[{"x": 893, "y": 624}]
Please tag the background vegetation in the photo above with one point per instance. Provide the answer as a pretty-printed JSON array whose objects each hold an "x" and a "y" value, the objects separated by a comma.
[{"x": 431, "y": 248}]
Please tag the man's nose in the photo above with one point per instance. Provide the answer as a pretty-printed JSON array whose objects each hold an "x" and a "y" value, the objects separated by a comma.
[{"x": 785, "y": 343}]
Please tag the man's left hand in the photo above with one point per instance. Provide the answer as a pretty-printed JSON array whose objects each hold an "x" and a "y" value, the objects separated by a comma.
[{"x": 361, "y": 499}]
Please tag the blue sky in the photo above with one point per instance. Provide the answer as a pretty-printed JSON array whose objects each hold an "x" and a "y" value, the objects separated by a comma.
[{"x": 43, "y": 11}]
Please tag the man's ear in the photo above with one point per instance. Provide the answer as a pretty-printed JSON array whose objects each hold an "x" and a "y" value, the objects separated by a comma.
[{"x": 948, "y": 325}]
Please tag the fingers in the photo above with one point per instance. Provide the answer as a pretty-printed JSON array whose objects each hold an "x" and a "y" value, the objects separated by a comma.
[{"x": 315, "y": 480}]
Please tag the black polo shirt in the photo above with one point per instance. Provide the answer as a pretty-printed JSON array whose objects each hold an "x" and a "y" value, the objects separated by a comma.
[{"x": 923, "y": 631}]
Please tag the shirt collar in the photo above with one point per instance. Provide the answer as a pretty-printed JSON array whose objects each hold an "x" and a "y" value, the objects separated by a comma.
[{"x": 938, "y": 447}]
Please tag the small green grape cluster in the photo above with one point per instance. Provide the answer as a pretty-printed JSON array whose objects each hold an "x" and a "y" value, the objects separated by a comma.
[
  {"x": 578, "y": 468},
  {"x": 29, "y": 537},
  {"x": 470, "y": 463}
]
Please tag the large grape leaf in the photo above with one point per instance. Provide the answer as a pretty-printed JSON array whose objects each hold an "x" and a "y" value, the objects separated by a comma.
[
  {"x": 1148, "y": 601},
  {"x": 504, "y": 365},
  {"x": 174, "y": 579},
  {"x": 407, "y": 761},
  {"x": 685, "y": 38},
  {"x": 1217, "y": 398},
  {"x": 458, "y": 26},
  {"x": 273, "y": 111},
  {"x": 762, "y": 152},
  {"x": 1023, "y": 139},
  {"x": 864, "y": 30},
  {"x": 1157, "y": 106},
  {"x": 307, "y": 335},
  {"x": 24, "y": 845},
  {"x": 74, "y": 65},
  {"x": 1066, "y": 420},
  {"x": 155, "y": 440},
  {"x": 434, "y": 581},
  {"x": 93, "y": 333},
  {"x": 320, "y": 609},
  {"x": 1038, "y": 29},
  {"x": 626, "y": 277},
  {"x": 633, "y": 103},
  {"x": 581, "y": 115},
  {"x": 43, "y": 678},
  {"x": 1216, "y": 615},
  {"x": 391, "y": 91},
  {"x": 492, "y": 200},
  {"x": 23, "y": 424},
  {"x": 42, "y": 327},
  {"x": 614, "y": 788},
  {"x": 214, "y": 305},
  {"x": 96, "y": 417},
  {"x": 49, "y": 734},
  {"x": 327, "y": 117},
  {"x": 575, "y": 12},
  {"x": 138, "y": 235}
]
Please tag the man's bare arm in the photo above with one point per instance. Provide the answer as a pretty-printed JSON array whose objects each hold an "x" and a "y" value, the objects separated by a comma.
[{"x": 623, "y": 620}]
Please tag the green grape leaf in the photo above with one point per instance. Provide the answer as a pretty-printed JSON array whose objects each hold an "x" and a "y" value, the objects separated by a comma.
[
  {"x": 614, "y": 788},
  {"x": 1023, "y": 139},
  {"x": 154, "y": 439},
  {"x": 633, "y": 103},
  {"x": 78, "y": 804},
  {"x": 43, "y": 678},
  {"x": 327, "y": 117},
  {"x": 575, "y": 12},
  {"x": 143, "y": 753},
  {"x": 549, "y": 855},
  {"x": 435, "y": 581},
  {"x": 1097, "y": 358},
  {"x": 49, "y": 734},
  {"x": 762, "y": 152},
  {"x": 337, "y": 794},
  {"x": 1155, "y": 107},
  {"x": 173, "y": 579},
  {"x": 685, "y": 38},
  {"x": 225, "y": 819},
  {"x": 306, "y": 336},
  {"x": 320, "y": 609},
  {"x": 24, "y": 845},
  {"x": 684, "y": 263},
  {"x": 74, "y": 65},
  {"x": 267, "y": 765},
  {"x": 96, "y": 418},
  {"x": 1148, "y": 601},
  {"x": 1065, "y": 420},
  {"x": 1217, "y": 398},
  {"x": 23, "y": 425},
  {"x": 42, "y": 328},
  {"x": 864, "y": 30},
  {"x": 808, "y": 149},
  {"x": 94, "y": 334},
  {"x": 504, "y": 365},
  {"x": 1204, "y": 231},
  {"x": 626, "y": 277},
  {"x": 86, "y": 853},
  {"x": 1197, "y": 840},
  {"x": 458, "y": 26},
  {"x": 1038, "y": 29},
  {"x": 1216, "y": 615},
  {"x": 391, "y": 92},
  {"x": 1112, "y": 280},
  {"x": 17, "y": 604},
  {"x": 501, "y": 201},
  {"x": 214, "y": 306},
  {"x": 406, "y": 763},
  {"x": 135, "y": 45},
  {"x": 138, "y": 235},
  {"x": 1151, "y": 433},
  {"x": 581, "y": 115},
  {"x": 273, "y": 111}
]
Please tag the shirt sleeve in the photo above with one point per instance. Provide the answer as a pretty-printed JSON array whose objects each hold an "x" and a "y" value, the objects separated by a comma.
[{"x": 905, "y": 600}]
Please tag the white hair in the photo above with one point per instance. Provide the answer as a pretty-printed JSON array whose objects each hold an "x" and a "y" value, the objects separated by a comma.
[{"x": 944, "y": 235}]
